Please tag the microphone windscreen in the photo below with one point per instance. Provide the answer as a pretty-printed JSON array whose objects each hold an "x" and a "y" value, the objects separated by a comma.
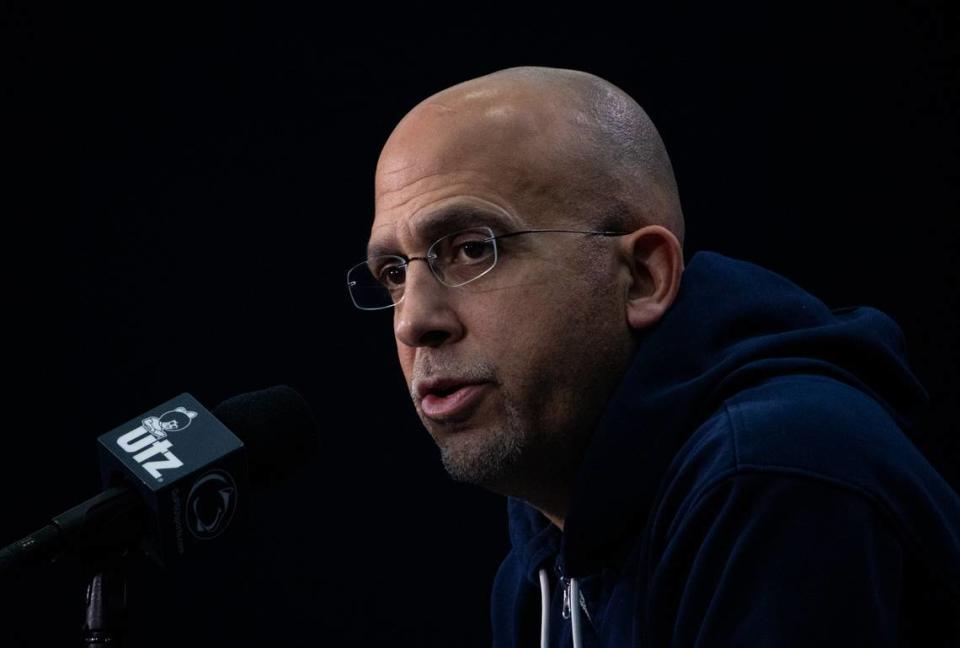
[{"x": 278, "y": 428}]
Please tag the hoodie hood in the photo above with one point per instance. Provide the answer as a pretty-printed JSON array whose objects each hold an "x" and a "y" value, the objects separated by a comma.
[{"x": 733, "y": 324}]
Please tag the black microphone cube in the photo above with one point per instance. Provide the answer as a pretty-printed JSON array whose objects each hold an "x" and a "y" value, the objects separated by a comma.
[{"x": 190, "y": 470}]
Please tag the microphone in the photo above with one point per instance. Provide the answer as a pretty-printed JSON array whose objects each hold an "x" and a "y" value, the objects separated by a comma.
[{"x": 178, "y": 477}]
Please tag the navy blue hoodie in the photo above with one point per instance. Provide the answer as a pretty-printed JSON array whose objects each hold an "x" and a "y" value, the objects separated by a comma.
[{"x": 751, "y": 483}]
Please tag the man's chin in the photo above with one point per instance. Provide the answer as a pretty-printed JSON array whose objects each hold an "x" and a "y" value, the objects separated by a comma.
[{"x": 476, "y": 455}]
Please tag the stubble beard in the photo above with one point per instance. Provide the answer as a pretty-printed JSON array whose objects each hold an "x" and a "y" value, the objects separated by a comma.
[
  {"x": 511, "y": 456},
  {"x": 489, "y": 457}
]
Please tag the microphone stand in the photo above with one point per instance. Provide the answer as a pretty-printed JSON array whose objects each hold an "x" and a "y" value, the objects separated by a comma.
[{"x": 105, "y": 622}]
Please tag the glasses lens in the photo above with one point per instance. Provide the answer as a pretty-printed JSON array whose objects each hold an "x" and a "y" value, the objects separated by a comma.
[
  {"x": 463, "y": 256},
  {"x": 377, "y": 282},
  {"x": 456, "y": 259}
]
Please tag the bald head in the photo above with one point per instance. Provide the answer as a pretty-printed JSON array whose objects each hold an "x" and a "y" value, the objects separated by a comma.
[
  {"x": 543, "y": 338},
  {"x": 571, "y": 143}
]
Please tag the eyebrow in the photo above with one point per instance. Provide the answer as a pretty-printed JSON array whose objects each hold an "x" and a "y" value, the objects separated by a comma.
[{"x": 444, "y": 221}]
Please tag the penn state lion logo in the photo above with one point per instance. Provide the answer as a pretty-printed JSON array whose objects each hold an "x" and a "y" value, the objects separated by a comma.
[{"x": 211, "y": 504}]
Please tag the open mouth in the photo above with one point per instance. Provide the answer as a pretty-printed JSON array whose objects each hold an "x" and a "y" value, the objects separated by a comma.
[
  {"x": 443, "y": 393},
  {"x": 453, "y": 400}
]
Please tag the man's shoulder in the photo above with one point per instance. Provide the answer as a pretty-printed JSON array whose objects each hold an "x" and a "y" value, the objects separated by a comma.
[
  {"x": 804, "y": 480},
  {"x": 801, "y": 424},
  {"x": 818, "y": 429},
  {"x": 822, "y": 427}
]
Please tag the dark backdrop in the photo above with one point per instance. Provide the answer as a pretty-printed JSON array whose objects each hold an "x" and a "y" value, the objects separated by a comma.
[{"x": 189, "y": 186}]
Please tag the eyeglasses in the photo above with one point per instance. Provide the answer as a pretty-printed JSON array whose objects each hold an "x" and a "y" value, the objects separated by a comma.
[{"x": 455, "y": 259}]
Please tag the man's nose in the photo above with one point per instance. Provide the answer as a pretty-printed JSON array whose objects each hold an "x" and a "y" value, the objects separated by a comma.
[{"x": 424, "y": 317}]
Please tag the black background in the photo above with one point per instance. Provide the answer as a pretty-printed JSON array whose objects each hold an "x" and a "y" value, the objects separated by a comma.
[{"x": 187, "y": 187}]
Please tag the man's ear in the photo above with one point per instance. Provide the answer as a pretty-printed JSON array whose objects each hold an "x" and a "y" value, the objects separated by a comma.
[{"x": 654, "y": 259}]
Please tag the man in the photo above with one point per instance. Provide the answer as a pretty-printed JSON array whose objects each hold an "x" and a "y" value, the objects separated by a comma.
[{"x": 699, "y": 456}]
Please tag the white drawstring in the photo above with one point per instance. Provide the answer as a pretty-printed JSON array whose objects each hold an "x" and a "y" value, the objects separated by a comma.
[
  {"x": 575, "y": 612},
  {"x": 574, "y": 594},
  {"x": 544, "y": 609}
]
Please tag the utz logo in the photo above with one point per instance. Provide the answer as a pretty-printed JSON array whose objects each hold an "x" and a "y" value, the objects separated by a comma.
[{"x": 149, "y": 441}]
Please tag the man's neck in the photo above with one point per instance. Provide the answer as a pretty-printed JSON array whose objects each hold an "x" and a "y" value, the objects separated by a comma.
[{"x": 547, "y": 504}]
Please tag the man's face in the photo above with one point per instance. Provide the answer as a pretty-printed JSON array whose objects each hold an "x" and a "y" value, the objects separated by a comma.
[{"x": 536, "y": 345}]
